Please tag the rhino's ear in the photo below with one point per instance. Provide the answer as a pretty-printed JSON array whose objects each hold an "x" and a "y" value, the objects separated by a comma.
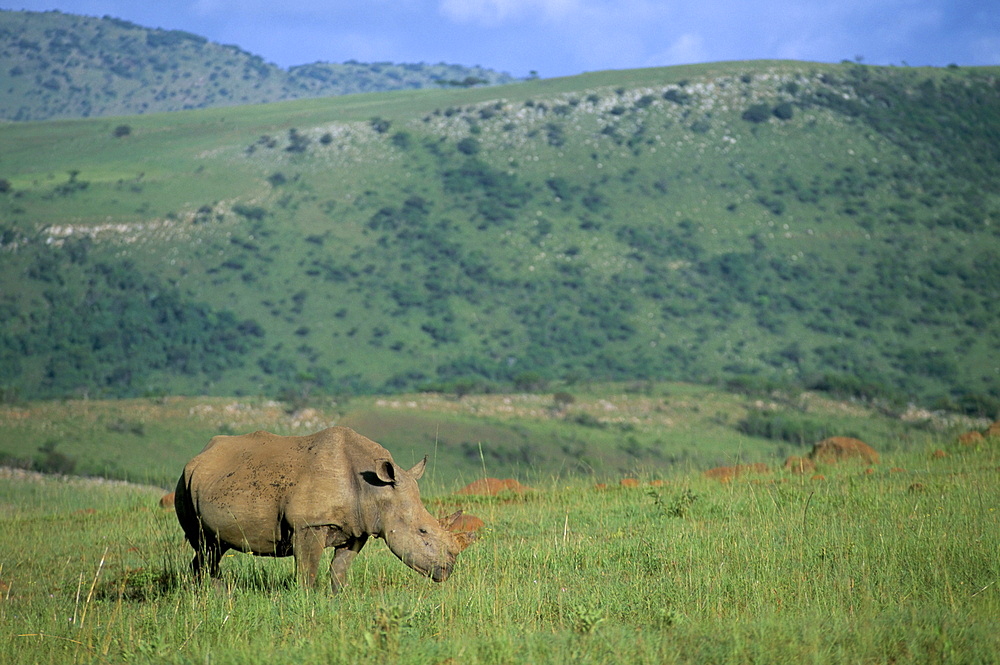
[
  {"x": 418, "y": 469},
  {"x": 385, "y": 471}
]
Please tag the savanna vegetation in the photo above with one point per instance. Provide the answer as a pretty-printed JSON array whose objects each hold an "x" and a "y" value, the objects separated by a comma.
[
  {"x": 850, "y": 563},
  {"x": 829, "y": 227},
  {"x": 759, "y": 255}
]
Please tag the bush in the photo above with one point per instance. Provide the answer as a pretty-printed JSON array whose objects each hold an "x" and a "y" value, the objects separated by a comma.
[
  {"x": 757, "y": 113},
  {"x": 784, "y": 111},
  {"x": 52, "y": 461},
  {"x": 252, "y": 213},
  {"x": 783, "y": 427},
  {"x": 468, "y": 146}
]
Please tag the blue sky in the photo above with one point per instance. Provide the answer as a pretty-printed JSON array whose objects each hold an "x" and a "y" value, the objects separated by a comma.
[{"x": 565, "y": 37}]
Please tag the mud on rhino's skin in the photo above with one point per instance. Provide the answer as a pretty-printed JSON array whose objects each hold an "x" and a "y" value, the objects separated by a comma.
[{"x": 277, "y": 495}]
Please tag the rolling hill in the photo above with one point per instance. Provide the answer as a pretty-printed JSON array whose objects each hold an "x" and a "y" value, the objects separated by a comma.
[
  {"x": 56, "y": 65},
  {"x": 758, "y": 223}
]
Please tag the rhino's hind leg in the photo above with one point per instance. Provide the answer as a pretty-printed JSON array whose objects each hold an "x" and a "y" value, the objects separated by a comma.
[
  {"x": 207, "y": 552},
  {"x": 342, "y": 558}
]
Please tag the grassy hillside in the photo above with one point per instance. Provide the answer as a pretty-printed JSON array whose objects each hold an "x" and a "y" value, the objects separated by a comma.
[
  {"x": 896, "y": 566},
  {"x": 772, "y": 223},
  {"x": 55, "y": 65},
  {"x": 600, "y": 432}
]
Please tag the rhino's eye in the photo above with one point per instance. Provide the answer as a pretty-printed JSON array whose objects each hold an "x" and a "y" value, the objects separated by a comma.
[{"x": 423, "y": 531}]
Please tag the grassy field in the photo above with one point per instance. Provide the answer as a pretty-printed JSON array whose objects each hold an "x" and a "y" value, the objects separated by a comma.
[{"x": 898, "y": 564}]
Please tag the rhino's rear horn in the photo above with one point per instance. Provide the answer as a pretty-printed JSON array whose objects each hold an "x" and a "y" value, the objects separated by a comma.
[{"x": 418, "y": 468}]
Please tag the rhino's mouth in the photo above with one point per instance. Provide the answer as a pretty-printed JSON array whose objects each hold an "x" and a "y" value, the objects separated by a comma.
[{"x": 438, "y": 573}]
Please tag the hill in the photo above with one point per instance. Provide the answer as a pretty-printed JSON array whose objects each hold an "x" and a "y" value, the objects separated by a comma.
[
  {"x": 759, "y": 223},
  {"x": 55, "y": 65}
]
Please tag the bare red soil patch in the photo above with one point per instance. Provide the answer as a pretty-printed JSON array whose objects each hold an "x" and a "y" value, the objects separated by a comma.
[
  {"x": 493, "y": 486},
  {"x": 167, "y": 501},
  {"x": 466, "y": 522},
  {"x": 972, "y": 438},
  {"x": 842, "y": 448},
  {"x": 800, "y": 465},
  {"x": 724, "y": 474},
  {"x": 463, "y": 526}
]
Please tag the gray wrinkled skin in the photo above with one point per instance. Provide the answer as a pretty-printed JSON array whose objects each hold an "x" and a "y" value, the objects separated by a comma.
[{"x": 296, "y": 495}]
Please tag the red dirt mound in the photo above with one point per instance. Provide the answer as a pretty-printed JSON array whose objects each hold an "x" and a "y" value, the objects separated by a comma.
[
  {"x": 971, "y": 438},
  {"x": 463, "y": 527},
  {"x": 629, "y": 482},
  {"x": 843, "y": 448},
  {"x": 493, "y": 486},
  {"x": 800, "y": 465},
  {"x": 466, "y": 522},
  {"x": 167, "y": 501},
  {"x": 726, "y": 473}
]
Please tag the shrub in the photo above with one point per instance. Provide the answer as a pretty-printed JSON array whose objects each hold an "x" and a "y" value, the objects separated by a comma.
[
  {"x": 468, "y": 146},
  {"x": 253, "y": 213},
  {"x": 757, "y": 113},
  {"x": 402, "y": 140},
  {"x": 784, "y": 111},
  {"x": 676, "y": 96},
  {"x": 53, "y": 461},
  {"x": 297, "y": 142},
  {"x": 783, "y": 427}
]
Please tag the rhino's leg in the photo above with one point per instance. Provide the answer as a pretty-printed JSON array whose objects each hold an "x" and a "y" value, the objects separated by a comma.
[
  {"x": 342, "y": 558},
  {"x": 307, "y": 548},
  {"x": 207, "y": 553}
]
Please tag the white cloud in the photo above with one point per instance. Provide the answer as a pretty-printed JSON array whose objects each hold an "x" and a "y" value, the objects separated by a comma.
[
  {"x": 496, "y": 12},
  {"x": 686, "y": 49}
]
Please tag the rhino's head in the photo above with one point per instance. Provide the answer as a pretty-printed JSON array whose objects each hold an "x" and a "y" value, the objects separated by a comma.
[{"x": 412, "y": 534}]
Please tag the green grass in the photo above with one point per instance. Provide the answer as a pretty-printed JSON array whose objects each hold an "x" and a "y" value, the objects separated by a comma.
[{"x": 889, "y": 567}]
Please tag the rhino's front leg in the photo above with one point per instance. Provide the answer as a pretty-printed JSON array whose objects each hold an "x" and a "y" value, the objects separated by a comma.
[
  {"x": 342, "y": 558},
  {"x": 307, "y": 548}
]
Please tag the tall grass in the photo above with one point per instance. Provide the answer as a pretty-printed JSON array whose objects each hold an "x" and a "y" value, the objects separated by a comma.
[{"x": 886, "y": 566}]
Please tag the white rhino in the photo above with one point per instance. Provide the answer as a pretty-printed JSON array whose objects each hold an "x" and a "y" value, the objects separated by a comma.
[{"x": 277, "y": 495}]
